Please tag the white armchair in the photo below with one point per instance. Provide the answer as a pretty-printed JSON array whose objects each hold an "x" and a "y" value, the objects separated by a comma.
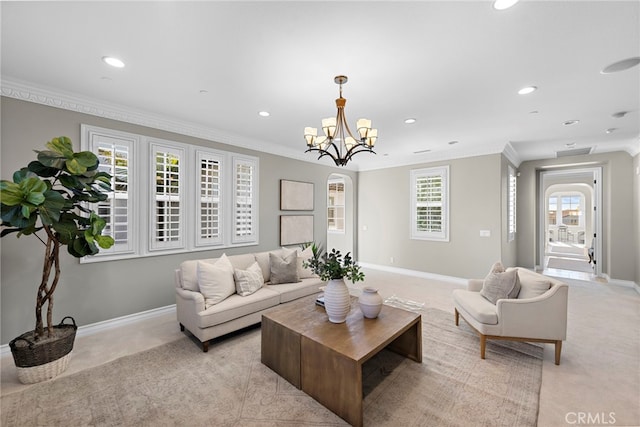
[{"x": 539, "y": 314}]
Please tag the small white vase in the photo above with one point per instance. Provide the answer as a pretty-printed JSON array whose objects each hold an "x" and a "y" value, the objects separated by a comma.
[
  {"x": 370, "y": 302},
  {"x": 337, "y": 301}
]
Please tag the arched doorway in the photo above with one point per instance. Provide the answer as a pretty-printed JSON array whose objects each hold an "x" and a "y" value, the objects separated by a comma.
[
  {"x": 340, "y": 213},
  {"x": 569, "y": 223}
]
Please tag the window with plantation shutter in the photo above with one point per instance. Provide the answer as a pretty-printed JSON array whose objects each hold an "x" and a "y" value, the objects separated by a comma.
[
  {"x": 511, "y": 203},
  {"x": 167, "y": 199},
  {"x": 245, "y": 200},
  {"x": 209, "y": 218},
  {"x": 172, "y": 197},
  {"x": 115, "y": 152},
  {"x": 430, "y": 204}
]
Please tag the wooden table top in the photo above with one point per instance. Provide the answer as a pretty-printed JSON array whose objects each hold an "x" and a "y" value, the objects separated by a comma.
[{"x": 358, "y": 338}]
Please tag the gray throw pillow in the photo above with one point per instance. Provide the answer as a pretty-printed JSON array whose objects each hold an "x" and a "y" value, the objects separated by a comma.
[
  {"x": 284, "y": 269},
  {"x": 499, "y": 285}
]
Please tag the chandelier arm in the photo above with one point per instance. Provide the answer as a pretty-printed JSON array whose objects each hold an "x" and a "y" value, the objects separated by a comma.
[
  {"x": 325, "y": 153},
  {"x": 353, "y": 151}
]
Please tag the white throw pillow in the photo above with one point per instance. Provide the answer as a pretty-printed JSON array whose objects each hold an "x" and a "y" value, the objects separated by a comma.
[
  {"x": 216, "y": 280},
  {"x": 248, "y": 281},
  {"x": 533, "y": 287},
  {"x": 305, "y": 255}
]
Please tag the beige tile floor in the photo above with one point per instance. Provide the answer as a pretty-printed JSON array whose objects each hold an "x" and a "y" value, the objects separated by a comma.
[{"x": 598, "y": 378}]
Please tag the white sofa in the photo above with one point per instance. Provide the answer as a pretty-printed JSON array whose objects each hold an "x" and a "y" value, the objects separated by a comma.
[
  {"x": 235, "y": 312},
  {"x": 538, "y": 314}
]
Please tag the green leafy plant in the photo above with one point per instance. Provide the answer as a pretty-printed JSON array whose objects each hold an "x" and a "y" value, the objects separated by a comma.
[
  {"x": 332, "y": 265},
  {"x": 51, "y": 196}
]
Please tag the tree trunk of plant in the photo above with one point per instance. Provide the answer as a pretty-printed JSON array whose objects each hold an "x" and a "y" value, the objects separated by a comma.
[{"x": 48, "y": 286}]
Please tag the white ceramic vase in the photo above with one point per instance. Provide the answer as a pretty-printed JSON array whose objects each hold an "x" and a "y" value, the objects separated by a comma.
[
  {"x": 337, "y": 301},
  {"x": 370, "y": 302}
]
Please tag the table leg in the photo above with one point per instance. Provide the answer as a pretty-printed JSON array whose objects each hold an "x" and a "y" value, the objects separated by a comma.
[{"x": 333, "y": 380}]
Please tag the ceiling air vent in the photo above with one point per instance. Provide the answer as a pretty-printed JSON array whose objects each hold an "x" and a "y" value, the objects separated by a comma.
[{"x": 574, "y": 152}]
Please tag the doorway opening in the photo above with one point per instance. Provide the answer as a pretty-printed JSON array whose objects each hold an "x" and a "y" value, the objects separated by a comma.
[
  {"x": 570, "y": 223},
  {"x": 340, "y": 213}
]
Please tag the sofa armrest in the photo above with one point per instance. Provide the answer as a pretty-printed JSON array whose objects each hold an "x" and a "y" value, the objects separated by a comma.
[
  {"x": 188, "y": 305},
  {"x": 543, "y": 317},
  {"x": 475, "y": 285}
]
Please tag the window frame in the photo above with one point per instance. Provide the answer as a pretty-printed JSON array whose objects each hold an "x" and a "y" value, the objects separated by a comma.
[
  {"x": 89, "y": 134},
  {"x": 512, "y": 207},
  {"x": 142, "y": 181},
  {"x": 237, "y": 161},
  {"x": 443, "y": 173}
]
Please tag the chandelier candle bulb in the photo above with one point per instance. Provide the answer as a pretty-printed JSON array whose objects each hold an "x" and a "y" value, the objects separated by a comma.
[
  {"x": 310, "y": 135},
  {"x": 329, "y": 126}
]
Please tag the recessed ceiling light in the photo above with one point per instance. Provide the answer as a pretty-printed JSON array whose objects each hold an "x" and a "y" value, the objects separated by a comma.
[
  {"x": 625, "y": 64},
  {"x": 264, "y": 113},
  {"x": 503, "y": 4},
  {"x": 422, "y": 151},
  {"x": 534, "y": 112},
  {"x": 619, "y": 114},
  {"x": 114, "y": 62},
  {"x": 203, "y": 91},
  {"x": 527, "y": 90},
  {"x": 571, "y": 122},
  {"x": 410, "y": 121},
  {"x": 611, "y": 130},
  {"x": 452, "y": 142}
]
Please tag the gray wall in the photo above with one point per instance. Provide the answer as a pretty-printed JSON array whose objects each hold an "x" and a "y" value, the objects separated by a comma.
[
  {"x": 100, "y": 291},
  {"x": 619, "y": 248},
  {"x": 477, "y": 202}
]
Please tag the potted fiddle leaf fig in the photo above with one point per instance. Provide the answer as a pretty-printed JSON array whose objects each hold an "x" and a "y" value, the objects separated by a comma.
[{"x": 50, "y": 199}]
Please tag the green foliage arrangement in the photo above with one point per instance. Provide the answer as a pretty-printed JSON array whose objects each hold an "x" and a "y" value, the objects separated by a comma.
[
  {"x": 51, "y": 196},
  {"x": 331, "y": 265}
]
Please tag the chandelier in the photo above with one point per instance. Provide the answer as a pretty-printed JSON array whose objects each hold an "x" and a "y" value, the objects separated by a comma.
[{"x": 338, "y": 142}]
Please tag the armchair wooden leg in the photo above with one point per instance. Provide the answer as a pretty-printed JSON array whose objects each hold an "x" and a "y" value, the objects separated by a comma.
[
  {"x": 181, "y": 327},
  {"x": 558, "y": 351},
  {"x": 483, "y": 345},
  {"x": 457, "y": 315},
  {"x": 205, "y": 346}
]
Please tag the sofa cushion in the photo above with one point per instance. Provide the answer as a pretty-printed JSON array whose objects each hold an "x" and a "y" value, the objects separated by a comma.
[
  {"x": 236, "y": 306},
  {"x": 291, "y": 291},
  {"x": 477, "y": 306},
  {"x": 262, "y": 258},
  {"x": 500, "y": 284},
  {"x": 532, "y": 284},
  {"x": 216, "y": 280},
  {"x": 189, "y": 273},
  {"x": 305, "y": 255},
  {"x": 242, "y": 261},
  {"x": 284, "y": 269},
  {"x": 248, "y": 281}
]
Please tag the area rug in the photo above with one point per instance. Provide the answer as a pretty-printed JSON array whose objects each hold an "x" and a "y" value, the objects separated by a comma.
[
  {"x": 570, "y": 264},
  {"x": 178, "y": 384}
]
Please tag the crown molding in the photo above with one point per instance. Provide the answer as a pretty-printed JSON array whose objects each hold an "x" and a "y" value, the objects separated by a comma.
[{"x": 29, "y": 92}]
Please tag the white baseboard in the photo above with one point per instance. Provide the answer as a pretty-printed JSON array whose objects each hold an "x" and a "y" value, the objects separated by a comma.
[
  {"x": 110, "y": 324},
  {"x": 625, "y": 283},
  {"x": 414, "y": 273}
]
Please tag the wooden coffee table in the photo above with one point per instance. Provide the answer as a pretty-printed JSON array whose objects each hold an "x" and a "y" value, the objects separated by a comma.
[{"x": 325, "y": 359}]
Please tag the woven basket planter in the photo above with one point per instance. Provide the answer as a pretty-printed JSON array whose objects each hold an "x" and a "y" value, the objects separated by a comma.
[{"x": 44, "y": 359}]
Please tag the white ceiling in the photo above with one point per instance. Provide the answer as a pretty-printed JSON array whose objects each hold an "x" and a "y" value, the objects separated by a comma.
[{"x": 454, "y": 66}]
